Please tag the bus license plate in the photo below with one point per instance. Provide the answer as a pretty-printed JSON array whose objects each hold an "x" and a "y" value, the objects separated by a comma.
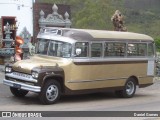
[{"x": 17, "y": 86}]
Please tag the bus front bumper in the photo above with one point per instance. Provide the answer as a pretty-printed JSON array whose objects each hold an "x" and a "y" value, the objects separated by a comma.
[{"x": 22, "y": 86}]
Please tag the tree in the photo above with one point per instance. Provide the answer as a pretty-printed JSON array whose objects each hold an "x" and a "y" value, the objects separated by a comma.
[
  {"x": 157, "y": 42},
  {"x": 96, "y": 14},
  {"x": 90, "y": 14}
]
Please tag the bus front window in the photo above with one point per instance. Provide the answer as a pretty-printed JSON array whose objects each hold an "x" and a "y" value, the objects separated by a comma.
[
  {"x": 60, "y": 49},
  {"x": 54, "y": 48},
  {"x": 43, "y": 46}
]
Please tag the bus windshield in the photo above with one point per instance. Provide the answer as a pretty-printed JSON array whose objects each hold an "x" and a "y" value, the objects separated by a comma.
[{"x": 54, "y": 48}]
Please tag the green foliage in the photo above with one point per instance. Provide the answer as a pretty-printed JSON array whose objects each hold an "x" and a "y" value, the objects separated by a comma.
[
  {"x": 157, "y": 41},
  {"x": 90, "y": 14},
  {"x": 143, "y": 21},
  {"x": 140, "y": 15},
  {"x": 94, "y": 15}
]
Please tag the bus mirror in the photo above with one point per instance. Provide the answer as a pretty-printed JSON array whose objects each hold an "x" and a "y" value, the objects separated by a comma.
[{"x": 78, "y": 51}]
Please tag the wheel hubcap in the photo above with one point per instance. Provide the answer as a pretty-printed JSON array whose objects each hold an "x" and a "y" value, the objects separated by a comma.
[
  {"x": 52, "y": 93},
  {"x": 130, "y": 88}
]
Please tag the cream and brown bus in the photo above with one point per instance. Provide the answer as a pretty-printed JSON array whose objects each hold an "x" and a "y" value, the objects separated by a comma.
[{"x": 77, "y": 61}]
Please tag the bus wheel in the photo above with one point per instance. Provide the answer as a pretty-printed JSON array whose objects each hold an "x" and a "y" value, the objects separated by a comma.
[
  {"x": 50, "y": 92},
  {"x": 128, "y": 90},
  {"x": 18, "y": 92}
]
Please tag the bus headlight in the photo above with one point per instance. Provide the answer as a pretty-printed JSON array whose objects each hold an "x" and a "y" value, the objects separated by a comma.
[
  {"x": 8, "y": 69},
  {"x": 35, "y": 74}
]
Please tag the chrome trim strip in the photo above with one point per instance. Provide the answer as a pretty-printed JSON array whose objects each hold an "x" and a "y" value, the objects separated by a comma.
[
  {"x": 144, "y": 76},
  {"x": 97, "y": 80},
  {"x": 110, "y": 59},
  {"x": 23, "y": 86},
  {"x": 28, "y": 79}
]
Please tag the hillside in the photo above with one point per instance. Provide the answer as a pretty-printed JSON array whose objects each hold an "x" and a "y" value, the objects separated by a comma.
[{"x": 141, "y": 16}]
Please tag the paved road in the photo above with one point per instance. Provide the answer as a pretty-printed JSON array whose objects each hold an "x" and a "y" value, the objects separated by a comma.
[
  {"x": 1, "y": 76},
  {"x": 146, "y": 99}
]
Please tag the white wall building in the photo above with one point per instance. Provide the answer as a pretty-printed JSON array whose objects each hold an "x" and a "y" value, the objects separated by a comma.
[{"x": 22, "y": 10}]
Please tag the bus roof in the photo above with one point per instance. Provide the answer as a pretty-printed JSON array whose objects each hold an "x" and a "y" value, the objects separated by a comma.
[{"x": 92, "y": 35}]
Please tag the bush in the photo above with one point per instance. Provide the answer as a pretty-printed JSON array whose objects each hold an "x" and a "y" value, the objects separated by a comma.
[{"x": 157, "y": 41}]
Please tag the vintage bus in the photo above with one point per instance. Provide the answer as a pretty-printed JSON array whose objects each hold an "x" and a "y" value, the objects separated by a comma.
[{"x": 77, "y": 61}]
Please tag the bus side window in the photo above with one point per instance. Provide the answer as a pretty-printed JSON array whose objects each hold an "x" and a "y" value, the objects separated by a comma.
[
  {"x": 142, "y": 49},
  {"x": 109, "y": 50},
  {"x": 84, "y": 47},
  {"x": 96, "y": 50},
  {"x": 135, "y": 49},
  {"x": 132, "y": 49},
  {"x": 150, "y": 49},
  {"x": 114, "y": 49}
]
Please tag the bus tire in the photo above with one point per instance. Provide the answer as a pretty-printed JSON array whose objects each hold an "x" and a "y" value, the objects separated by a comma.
[
  {"x": 128, "y": 90},
  {"x": 50, "y": 92},
  {"x": 18, "y": 92}
]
